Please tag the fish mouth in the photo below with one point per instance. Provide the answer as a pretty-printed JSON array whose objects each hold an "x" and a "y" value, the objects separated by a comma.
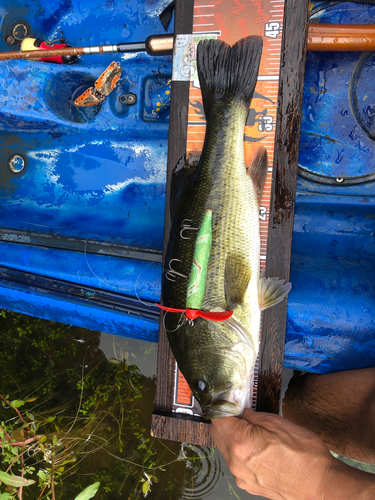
[
  {"x": 229, "y": 400},
  {"x": 223, "y": 409}
]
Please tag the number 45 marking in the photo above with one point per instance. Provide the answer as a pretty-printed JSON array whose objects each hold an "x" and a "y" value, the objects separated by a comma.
[{"x": 272, "y": 30}]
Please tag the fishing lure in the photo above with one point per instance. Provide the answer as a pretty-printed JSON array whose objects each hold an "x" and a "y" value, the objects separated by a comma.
[
  {"x": 38, "y": 44},
  {"x": 103, "y": 86},
  {"x": 197, "y": 281}
]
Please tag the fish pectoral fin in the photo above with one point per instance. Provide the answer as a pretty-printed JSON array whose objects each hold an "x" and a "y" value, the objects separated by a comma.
[
  {"x": 181, "y": 176},
  {"x": 258, "y": 169},
  {"x": 271, "y": 291},
  {"x": 237, "y": 274}
]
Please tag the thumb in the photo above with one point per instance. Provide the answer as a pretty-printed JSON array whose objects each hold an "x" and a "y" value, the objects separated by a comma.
[{"x": 261, "y": 419}]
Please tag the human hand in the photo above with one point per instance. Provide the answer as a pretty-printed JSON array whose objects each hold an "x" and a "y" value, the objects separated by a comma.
[{"x": 277, "y": 459}]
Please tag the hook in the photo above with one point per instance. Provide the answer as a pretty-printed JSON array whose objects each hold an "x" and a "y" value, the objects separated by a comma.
[
  {"x": 180, "y": 323},
  {"x": 171, "y": 273},
  {"x": 59, "y": 40},
  {"x": 162, "y": 76},
  {"x": 186, "y": 226}
]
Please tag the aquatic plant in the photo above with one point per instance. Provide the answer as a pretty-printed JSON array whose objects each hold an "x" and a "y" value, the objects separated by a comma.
[{"x": 70, "y": 419}]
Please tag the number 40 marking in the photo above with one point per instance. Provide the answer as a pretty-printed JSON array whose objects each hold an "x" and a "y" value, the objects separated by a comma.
[
  {"x": 263, "y": 213},
  {"x": 272, "y": 30}
]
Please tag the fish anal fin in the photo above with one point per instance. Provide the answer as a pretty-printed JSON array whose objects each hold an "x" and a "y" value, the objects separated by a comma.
[
  {"x": 237, "y": 276},
  {"x": 271, "y": 291},
  {"x": 257, "y": 170}
]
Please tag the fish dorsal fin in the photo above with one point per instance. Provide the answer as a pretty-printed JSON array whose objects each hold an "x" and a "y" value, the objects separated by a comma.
[
  {"x": 237, "y": 274},
  {"x": 257, "y": 170},
  {"x": 181, "y": 176},
  {"x": 271, "y": 291}
]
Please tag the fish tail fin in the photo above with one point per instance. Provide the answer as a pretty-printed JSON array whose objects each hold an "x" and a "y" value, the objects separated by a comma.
[{"x": 225, "y": 70}]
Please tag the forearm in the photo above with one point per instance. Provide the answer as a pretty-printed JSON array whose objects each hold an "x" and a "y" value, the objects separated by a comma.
[
  {"x": 276, "y": 459},
  {"x": 343, "y": 482}
]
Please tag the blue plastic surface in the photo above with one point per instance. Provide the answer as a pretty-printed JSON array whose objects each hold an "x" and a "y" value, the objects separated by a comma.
[
  {"x": 78, "y": 312},
  {"x": 98, "y": 175},
  {"x": 90, "y": 175},
  {"x": 331, "y": 307}
]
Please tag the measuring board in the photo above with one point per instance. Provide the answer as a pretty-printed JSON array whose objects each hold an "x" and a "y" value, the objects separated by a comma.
[{"x": 230, "y": 21}]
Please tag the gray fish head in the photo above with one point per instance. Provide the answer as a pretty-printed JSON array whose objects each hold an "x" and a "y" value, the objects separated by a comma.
[{"x": 217, "y": 360}]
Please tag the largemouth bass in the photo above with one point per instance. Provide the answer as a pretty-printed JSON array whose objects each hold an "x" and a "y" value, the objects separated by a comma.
[{"x": 217, "y": 357}]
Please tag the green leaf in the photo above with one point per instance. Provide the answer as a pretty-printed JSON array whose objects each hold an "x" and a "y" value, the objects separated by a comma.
[
  {"x": 30, "y": 400},
  {"x": 6, "y": 496},
  {"x": 42, "y": 475},
  {"x": 69, "y": 460},
  {"x": 17, "y": 403},
  {"x": 16, "y": 481},
  {"x": 145, "y": 487},
  {"x": 88, "y": 492}
]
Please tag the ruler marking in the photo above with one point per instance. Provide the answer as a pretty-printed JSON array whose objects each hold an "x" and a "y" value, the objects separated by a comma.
[{"x": 267, "y": 85}]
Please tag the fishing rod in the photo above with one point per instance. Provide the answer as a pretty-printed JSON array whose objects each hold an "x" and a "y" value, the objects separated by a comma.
[
  {"x": 326, "y": 37},
  {"x": 155, "y": 45}
]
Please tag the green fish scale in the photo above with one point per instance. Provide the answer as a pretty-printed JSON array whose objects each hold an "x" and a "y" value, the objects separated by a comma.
[{"x": 223, "y": 186}]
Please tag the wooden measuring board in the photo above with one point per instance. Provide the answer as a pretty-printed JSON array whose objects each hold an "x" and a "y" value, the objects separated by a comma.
[{"x": 283, "y": 26}]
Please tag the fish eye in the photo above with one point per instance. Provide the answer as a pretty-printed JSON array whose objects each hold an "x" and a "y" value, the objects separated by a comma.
[{"x": 201, "y": 386}]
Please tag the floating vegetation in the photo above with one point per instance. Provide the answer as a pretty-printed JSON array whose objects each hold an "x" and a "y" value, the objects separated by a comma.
[{"x": 74, "y": 425}]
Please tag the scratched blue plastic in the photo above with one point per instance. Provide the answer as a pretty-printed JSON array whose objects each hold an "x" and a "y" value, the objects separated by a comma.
[
  {"x": 99, "y": 174},
  {"x": 331, "y": 308},
  {"x": 103, "y": 178},
  {"x": 65, "y": 309},
  {"x": 92, "y": 174},
  {"x": 124, "y": 276},
  {"x": 339, "y": 105}
]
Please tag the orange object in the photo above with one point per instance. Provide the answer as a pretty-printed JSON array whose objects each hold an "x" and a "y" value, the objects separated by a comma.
[
  {"x": 341, "y": 37},
  {"x": 103, "y": 86}
]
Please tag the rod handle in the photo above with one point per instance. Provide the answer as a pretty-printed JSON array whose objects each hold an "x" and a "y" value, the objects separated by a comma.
[{"x": 159, "y": 45}]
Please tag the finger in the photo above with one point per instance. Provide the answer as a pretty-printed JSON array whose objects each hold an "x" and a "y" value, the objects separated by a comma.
[
  {"x": 267, "y": 420},
  {"x": 227, "y": 425},
  {"x": 241, "y": 483},
  {"x": 219, "y": 440},
  {"x": 272, "y": 423},
  {"x": 229, "y": 445},
  {"x": 254, "y": 489}
]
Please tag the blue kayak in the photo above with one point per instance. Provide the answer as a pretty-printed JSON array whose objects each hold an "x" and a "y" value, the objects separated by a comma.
[{"x": 83, "y": 189}]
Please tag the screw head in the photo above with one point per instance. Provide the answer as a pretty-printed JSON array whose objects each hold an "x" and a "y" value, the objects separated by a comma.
[
  {"x": 17, "y": 164},
  {"x": 10, "y": 40},
  {"x": 20, "y": 32},
  {"x": 127, "y": 99}
]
